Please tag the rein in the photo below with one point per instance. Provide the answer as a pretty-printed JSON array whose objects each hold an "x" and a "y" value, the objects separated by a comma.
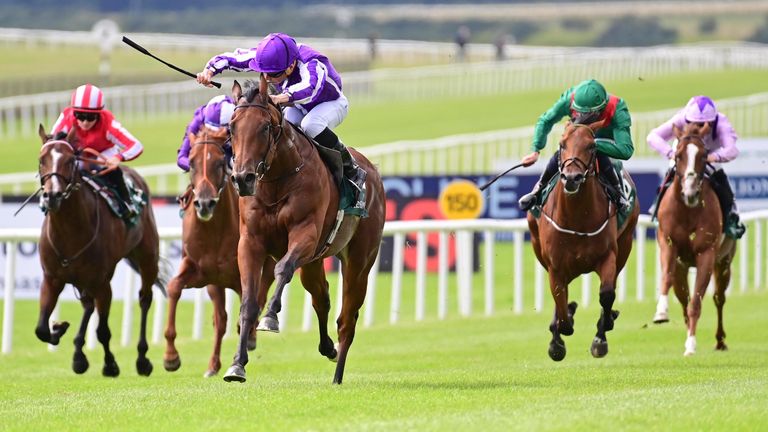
[{"x": 264, "y": 165}]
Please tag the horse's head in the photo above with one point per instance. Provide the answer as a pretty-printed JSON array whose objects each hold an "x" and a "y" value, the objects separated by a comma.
[
  {"x": 577, "y": 155},
  {"x": 57, "y": 169},
  {"x": 691, "y": 160},
  {"x": 207, "y": 169},
  {"x": 256, "y": 128}
]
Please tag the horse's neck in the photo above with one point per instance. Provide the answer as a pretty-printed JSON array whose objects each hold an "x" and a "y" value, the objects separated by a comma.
[
  {"x": 228, "y": 203},
  {"x": 75, "y": 215}
]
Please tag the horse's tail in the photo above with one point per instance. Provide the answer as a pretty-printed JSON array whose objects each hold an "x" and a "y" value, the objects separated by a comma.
[{"x": 164, "y": 274}]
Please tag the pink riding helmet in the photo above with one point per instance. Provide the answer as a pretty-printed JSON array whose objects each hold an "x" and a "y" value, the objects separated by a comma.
[
  {"x": 700, "y": 109},
  {"x": 275, "y": 53}
]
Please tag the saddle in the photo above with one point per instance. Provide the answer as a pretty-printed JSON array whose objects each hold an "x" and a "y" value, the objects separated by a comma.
[
  {"x": 107, "y": 191},
  {"x": 627, "y": 191},
  {"x": 351, "y": 200}
]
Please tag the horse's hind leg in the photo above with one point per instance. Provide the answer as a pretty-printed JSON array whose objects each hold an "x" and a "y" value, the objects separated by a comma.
[
  {"x": 49, "y": 295},
  {"x": 722, "y": 279},
  {"x": 143, "y": 365},
  {"x": 216, "y": 294},
  {"x": 103, "y": 334},
  {"x": 607, "y": 272},
  {"x": 79, "y": 361},
  {"x": 269, "y": 321},
  {"x": 314, "y": 281}
]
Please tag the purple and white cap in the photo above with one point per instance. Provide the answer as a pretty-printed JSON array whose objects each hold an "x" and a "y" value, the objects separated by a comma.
[
  {"x": 275, "y": 53},
  {"x": 700, "y": 109},
  {"x": 218, "y": 111}
]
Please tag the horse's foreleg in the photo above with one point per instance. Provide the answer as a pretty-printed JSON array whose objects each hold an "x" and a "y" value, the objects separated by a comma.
[
  {"x": 607, "y": 272},
  {"x": 49, "y": 295},
  {"x": 722, "y": 279},
  {"x": 79, "y": 361},
  {"x": 704, "y": 265},
  {"x": 314, "y": 281},
  {"x": 682, "y": 291},
  {"x": 301, "y": 246},
  {"x": 171, "y": 359},
  {"x": 267, "y": 278},
  {"x": 103, "y": 334},
  {"x": 216, "y": 294},
  {"x": 250, "y": 259},
  {"x": 562, "y": 322},
  {"x": 143, "y": 365},
  {"x": 668, "y": 265}
]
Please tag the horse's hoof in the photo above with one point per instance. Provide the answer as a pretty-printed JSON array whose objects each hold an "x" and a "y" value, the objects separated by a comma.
[
  {"x": 210, "y": 373},
  {"x": 144, "y": 366},
  {"x": 110, "y": 370},
  {"x": 172, "y": 365},
  {"x": 235, "y": 373},
  {"x": 251, "y": 344},
  {"x": 59, "y": 328},
  {"x": 661, "y": 317},
  {"x": 334, "y": 357},
  {"x": 556, "y": 350},
  {"x": 688, "y": 353},
  {"x": 599, "y": 348},
  {"x": 269, "y": 324},
  {"x": 80, "y": 363},
  {"x": 572, "y": 306},
  {"x": 721, "y": 346}
]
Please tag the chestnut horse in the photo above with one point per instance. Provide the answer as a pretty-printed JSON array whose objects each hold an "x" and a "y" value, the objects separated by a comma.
[
  {"x": 690, "y": 234},
  {"x": 578, "y": 233},
  {"x": 209, "y": 243},
  {"x": 290, "y": 214},
  {"x": 81, "y": 244}
]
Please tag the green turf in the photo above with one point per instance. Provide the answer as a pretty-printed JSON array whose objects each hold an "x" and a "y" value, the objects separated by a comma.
[
  {"x": 380, "y": 123},
  {"x": 460, "y": 374}
]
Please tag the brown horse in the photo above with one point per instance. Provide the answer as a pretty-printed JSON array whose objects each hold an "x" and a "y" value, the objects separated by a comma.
[
  {"x": 578, "y": 233},
  {"x": 690, "y": 234},
  {"x": 209, "y": 252},
  {"x": 290, "y": 214},
  {"x": 81, "y": 243}
]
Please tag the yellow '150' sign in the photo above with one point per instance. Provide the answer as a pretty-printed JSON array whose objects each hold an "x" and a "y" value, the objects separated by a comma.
[{"x": 461, "y": 199}]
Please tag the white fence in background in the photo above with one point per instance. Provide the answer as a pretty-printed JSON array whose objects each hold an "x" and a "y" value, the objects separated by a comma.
[
  {"x": 475, "y": 153},
  {"x": 750, "y": 266},
  {"x": 20, "y": 115}
]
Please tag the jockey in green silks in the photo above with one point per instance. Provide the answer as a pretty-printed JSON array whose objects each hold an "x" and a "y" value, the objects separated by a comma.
[{"x": 586, "y": 103}]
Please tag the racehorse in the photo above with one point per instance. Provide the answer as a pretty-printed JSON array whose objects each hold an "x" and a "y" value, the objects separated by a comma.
[
  {"x": 578, "y": 233},
  {"x": 81, "y": 244},
  {"x": 290, "y": 214},
  {"x": 690, "y": 234},
  {"x": 209, "y": 239}
]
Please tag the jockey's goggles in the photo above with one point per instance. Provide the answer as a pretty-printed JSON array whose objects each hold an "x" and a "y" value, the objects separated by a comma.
[
  {"x": 275, "y": 74},
  {"x": 86, "y": 116}
]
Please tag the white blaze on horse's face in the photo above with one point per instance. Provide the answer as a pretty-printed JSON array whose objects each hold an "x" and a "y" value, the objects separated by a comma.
[
  {"x": 56, "y": 157},
  {"x": 691, "y": 183}
]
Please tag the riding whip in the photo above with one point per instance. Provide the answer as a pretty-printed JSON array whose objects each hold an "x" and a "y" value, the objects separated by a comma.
[
  {"x": 143, "y": 50},
  {"x": 485, "y": 186}
]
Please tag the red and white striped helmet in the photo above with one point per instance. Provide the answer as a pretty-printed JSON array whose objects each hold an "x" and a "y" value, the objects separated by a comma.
[{"x": 87, "y": 97}]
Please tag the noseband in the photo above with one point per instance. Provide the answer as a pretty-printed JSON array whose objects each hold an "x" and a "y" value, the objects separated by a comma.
[
  {"x": 587, "y": 167},
  {"x": 264, "y": 164}
]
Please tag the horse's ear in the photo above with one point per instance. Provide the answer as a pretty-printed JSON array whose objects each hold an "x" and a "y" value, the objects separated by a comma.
[
  {"x": 597, "y": 125},
  {"x": 263, "y": 90},
  {"x": 706, "y": 129},
  {"x": 237, "y": 91},
  {"x": 41, "y": 132},
  {"x": 192, "y": 137}
]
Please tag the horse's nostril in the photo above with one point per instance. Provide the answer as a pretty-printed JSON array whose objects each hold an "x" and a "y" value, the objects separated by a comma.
[
  {"x": 250, "y": 178},
  {"x": 196, "y": 203}
]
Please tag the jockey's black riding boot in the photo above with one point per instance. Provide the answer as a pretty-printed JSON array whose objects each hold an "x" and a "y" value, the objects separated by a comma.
[
  {"x": 352, "y": 170},
  {"x": 531, "y": 198},
  {"x": 722, "y": 188},
  {"x": 117, "y": 180},
  {"x": 609, "y": 174},
  {"x": 666, "y": 182}
]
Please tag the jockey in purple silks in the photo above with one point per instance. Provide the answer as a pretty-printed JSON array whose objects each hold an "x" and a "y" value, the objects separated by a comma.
[
  {"x": 721, "y": 148},
  {"x": 305, "y": 80},
  {"x": 214, "y": 115}
]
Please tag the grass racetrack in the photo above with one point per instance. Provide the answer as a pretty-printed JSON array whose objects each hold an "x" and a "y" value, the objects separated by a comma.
[{"x": 459, "y": 374}]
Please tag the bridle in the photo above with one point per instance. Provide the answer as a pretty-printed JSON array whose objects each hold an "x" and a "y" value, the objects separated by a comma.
[
  {"x": 264, "y": 164},
  {"x": 587, "y": 168},
  {"x": 70, "y": 181},
  {"x": 223, "y": 182},
  {"x": 699, "y": 175}
]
